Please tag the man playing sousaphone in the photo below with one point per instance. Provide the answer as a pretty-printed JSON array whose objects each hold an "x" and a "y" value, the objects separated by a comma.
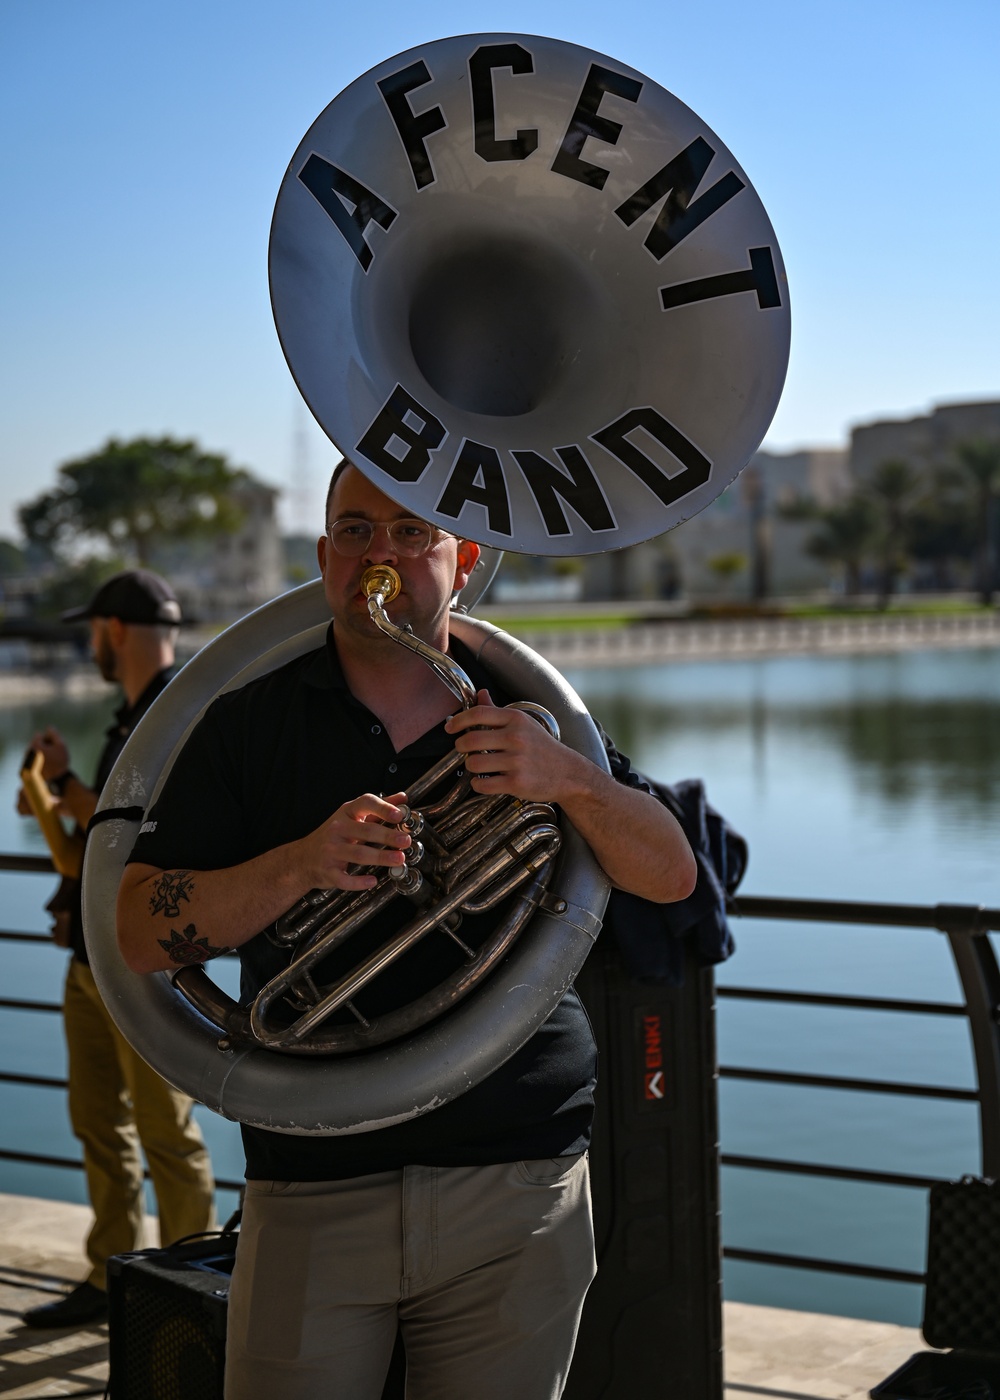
[{"x": 469, "y": 1227}]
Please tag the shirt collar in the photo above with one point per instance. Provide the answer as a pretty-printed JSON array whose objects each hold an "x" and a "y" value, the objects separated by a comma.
[
  {"x": 324, "y": 671},
  {"x": 128, "y": 716}
]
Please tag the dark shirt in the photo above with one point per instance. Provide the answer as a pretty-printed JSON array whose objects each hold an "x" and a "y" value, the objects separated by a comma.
[
  {"x": 267, "y": 765},
  {"x": 125, "y": 720}
]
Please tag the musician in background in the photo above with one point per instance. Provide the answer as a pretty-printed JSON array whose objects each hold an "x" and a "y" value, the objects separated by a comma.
[
  {"x": 116, "y": 1102},
  {"x": 468, "y": 1227}
]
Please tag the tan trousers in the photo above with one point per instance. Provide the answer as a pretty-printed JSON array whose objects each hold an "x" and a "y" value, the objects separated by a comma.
[
  {"x": 484, "y": 1269},
  {"x": 116, "y": 1103}
]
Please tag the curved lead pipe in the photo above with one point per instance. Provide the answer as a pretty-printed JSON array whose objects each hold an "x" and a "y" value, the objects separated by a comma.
[{"x": 380, "y": 584}]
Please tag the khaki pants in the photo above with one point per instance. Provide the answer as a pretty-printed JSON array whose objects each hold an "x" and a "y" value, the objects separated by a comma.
[
  {"x": 116, "y": 1103},
  {"x": 484, "y": 1269}
]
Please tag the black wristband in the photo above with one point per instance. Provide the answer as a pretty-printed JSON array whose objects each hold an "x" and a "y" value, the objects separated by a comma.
[{"x": 59, "y": 785}]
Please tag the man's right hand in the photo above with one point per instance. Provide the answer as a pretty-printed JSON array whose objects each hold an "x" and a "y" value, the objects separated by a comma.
[
  {"x": 362, "y": 832},
  {"x": 211, "y": 911}
]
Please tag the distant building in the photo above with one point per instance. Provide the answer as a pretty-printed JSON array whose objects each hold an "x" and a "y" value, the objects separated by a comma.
[
  {"x": 741, "y": 546},
  {"x": 746, "y": 520},
  {"x": 224, "y": 576},
  {"x": 702, "y": 558},
  {"x": 925, "y": 441},
  {"x": 300, "y": 560}
]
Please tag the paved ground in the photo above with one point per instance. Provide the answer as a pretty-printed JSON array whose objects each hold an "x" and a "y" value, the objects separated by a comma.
[
  {"x": 771, "y": 1354},
  {"x": 774, "y": 1354},
  {"x": 41, "y": 1256}
]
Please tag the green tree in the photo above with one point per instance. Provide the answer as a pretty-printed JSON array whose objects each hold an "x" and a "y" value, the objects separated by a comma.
[
  {"x": 976, "y": 463},
  {"x": 941, "y": 533},
  {"x": 892, "y": 486},
  {"x": 11, "y": 559},
  {"x": 130, "y": 495},
  {"x": 846, "y": 534},
  {"x": 726, "y": 566}
]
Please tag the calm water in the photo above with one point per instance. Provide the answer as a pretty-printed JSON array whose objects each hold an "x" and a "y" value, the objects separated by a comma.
[{"x": 859, "y": 777}]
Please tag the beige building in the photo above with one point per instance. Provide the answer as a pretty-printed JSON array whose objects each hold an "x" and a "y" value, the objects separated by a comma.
[
  {"x": 741, "y": 537},
  {"x": 925, "y": 441},
  {"x": 741, "y": 546},
  {"x": 222, "y": 577}
]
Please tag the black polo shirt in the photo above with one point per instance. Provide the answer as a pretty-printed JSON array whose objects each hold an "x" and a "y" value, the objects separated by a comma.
[{"x": 268, "y": 764}]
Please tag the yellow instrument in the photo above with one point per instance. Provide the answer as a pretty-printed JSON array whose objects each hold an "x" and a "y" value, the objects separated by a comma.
[{"x": 66, "y": 847}]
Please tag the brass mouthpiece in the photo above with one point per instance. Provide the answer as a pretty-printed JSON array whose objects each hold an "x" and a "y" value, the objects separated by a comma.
[{"x": 379, "y": 578}]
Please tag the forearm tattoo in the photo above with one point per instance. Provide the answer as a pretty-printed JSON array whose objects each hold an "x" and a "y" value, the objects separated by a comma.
[
  {"x": 186, "y": 948},
  {"x": 169, "y": 890}
]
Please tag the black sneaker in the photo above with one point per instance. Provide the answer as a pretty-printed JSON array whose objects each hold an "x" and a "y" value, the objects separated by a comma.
[{"x": 85, "y": 1304}]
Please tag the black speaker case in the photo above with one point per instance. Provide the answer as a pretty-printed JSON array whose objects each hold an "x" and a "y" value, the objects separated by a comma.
[{"x": 167, "y": 1321}]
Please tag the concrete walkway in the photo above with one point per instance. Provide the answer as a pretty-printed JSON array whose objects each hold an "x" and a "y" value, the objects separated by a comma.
[
  {"x": 41, "y": 1256},
  {"x": 775, "y": 1354},
  {"x": 771, "y": 1354}
]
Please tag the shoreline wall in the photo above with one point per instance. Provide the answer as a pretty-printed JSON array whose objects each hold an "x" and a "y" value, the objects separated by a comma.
[
  {"x": 637, "y": 644},
  {"x": 649, "y": 643}
]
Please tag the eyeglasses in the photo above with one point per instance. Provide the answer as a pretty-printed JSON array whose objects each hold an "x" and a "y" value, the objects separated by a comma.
[{"x": 408, "y": 537}]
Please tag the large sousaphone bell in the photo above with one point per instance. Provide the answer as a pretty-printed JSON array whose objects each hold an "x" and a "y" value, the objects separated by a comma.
[{"x": 535, "y": 299}]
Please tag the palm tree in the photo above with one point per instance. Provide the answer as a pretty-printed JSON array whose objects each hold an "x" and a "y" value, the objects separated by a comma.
[
  {"x": 978, "y": 459},
  {"x": 891, "y": 486},
  {"x": 846, "y": 535}
]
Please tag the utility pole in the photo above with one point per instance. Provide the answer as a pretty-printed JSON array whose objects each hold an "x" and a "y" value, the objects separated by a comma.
[{"x": 760, "y": 533}]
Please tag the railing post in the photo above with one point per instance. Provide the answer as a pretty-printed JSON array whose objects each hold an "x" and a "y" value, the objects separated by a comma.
[{"x": 979, "y": 973}]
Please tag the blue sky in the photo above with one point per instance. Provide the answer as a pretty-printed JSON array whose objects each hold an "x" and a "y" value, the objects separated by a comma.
[{"x": 144, "y": 142}]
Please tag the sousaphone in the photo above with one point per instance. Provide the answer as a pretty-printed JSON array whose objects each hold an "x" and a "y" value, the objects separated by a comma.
[{"x": 537, "y": 301}]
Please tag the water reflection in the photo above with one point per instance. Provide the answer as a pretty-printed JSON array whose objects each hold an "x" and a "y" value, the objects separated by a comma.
[
  {"x": 860, "y": 774},
  {"x": 898, "y": 747}
]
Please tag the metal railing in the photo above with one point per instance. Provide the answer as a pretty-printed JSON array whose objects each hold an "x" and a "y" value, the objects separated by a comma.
[
  {"x": 966, "y": 927},
  {"x": 42, "y": 865}
]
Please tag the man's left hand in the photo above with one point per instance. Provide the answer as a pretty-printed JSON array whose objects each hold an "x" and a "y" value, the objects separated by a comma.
[
  {"x": 636, "y": 840},
  {"x": 506, "y": 751}
]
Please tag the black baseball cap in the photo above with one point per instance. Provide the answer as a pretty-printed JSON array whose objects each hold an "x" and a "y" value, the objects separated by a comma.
[{"x": 137, "y": 595}]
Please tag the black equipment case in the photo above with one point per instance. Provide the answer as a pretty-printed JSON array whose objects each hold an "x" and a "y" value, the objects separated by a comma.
[
  {"x": 652, "y": 1322},
  {"x": 961, "y": 1299}
]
